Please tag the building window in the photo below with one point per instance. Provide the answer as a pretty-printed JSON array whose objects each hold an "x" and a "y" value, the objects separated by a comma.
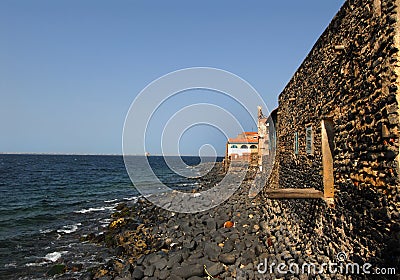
[
  {"x": 253, "y": 147},
  {"x": 309, "y": 140},
  {"x": 296, "y": 143},
  {"x": 233, "y": 146},
  {"x": 243, "y": 147}
]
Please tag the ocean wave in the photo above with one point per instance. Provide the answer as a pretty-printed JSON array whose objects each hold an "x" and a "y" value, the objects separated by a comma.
[
  {"x": 69, "y": 228},
  {"x": 13, "y": 264},
  {"x": 48, "y": 258},
  {"x": 105, "y": 221},
  {"x": 54, "y": 256},
  {"x": 110, "y": 201},
  {"x": 36, "y": 264},
  {"x": 44, "y": 231},
  {"x": 191, "y": 184},
  {"x": 84, "y": 211},
  {"x": 131, "y": 198}
]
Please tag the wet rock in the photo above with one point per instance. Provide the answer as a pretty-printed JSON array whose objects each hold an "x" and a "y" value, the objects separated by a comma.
[
  {"x": 120, "y": 206},
  {"x": 74, "y": 267},
  {"x": 57, "y": 269}
]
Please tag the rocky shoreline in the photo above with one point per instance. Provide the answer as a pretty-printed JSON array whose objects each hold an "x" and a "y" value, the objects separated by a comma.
[{"x": 226, "y": 242}]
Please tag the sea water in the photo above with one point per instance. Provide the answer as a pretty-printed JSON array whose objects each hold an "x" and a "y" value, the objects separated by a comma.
[{"x": 47, "y": 202}]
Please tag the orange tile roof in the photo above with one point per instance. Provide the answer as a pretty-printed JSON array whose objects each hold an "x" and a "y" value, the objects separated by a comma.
[
  {"x": 242, "y": 140},
  {"x": 245, "y": 137}
]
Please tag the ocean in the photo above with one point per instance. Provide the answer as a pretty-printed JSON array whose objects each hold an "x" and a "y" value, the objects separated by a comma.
[{"x": 47, "y": 202}]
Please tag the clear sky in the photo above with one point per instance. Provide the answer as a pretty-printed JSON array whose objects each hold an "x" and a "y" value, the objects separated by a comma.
[{"x": 69, "y": 69}]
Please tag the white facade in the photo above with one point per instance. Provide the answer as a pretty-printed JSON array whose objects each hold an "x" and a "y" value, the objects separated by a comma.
[{"x": 240, "y": 149}]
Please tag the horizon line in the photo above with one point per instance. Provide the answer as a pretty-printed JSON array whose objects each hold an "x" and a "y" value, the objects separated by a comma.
[{"x": 96, "y": 154}]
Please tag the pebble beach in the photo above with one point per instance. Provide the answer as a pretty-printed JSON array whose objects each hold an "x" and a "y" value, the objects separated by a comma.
[{"x": 227, "y": 242}]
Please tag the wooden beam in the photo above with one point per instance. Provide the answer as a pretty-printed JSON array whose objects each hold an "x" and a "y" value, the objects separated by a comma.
[{"x": 294, "y": 193}]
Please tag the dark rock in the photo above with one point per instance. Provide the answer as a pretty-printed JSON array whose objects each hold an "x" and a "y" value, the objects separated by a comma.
[
  {"x": 248, "y": 256},
  {"x": 188, "y": 271},
  {"x": 240, "y": 246},
  {"x": 242, "y": 274},
  {"x": 149, "y": 271},
  {"x": 227, "y": 258},
  {"x": 212, "y": 251},
  {"x": 153, "y": 258},
  {"x": 163, "y": 274},
  {"x": 120, "y": 206},
  {"x": 174, "y": 260},
  {"x": 190, "y": 245},
  {"x": 74, "y": 267},
  {"x": 140, "y": 260},
  {"x": 211, "y": 224},
  {"x": 137, "y": 273},
  {"x": 57, "y": 269},
  {"x": 215, "y": 269},
  {"x": 228, "y": 246},
  {"x": 175, "y": 277},
  {"x": 119, "y": 251},
  {"x": 219, "y": 238},
  {"x": 161, "y": 264}
]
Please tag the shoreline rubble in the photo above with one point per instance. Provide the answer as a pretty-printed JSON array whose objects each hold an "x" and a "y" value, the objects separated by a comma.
[{"x": 226, "y": 242}]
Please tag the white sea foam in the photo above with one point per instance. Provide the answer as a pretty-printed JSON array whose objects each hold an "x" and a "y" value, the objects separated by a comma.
[
  {"x": 13, "y": 264},
  {"x": 36, "y": 264},
  {"x": 84, "y": 211},
  {"x": 105, "y": 221},
  {"x": 110, "y": 201},
  {"x": 50, "y": 257},
  {"x": 45, "y": 230},
  {"x": 69, "y": 228},
  {"x": 131, "y": 198},
  {"x": 54, "y": 256}
]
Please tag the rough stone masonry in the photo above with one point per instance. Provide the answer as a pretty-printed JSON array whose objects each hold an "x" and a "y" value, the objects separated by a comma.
[{"x": 341, "y": 108}]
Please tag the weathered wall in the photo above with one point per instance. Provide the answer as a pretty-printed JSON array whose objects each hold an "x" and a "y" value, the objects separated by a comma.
[{"x": 356, "y": 85}]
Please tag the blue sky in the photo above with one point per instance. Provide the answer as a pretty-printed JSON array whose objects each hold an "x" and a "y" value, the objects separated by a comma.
[{"x": 70, "y": 69}]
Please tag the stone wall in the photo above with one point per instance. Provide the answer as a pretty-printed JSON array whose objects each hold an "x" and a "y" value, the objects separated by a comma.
[{"x": 351, "y": 77}]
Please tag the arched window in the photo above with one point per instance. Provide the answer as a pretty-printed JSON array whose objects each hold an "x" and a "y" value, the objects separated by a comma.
[
  {"x": 253, "y": 147},
  {"x": 243, "y": 147},
  {"x": 233, "y": 146}
]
